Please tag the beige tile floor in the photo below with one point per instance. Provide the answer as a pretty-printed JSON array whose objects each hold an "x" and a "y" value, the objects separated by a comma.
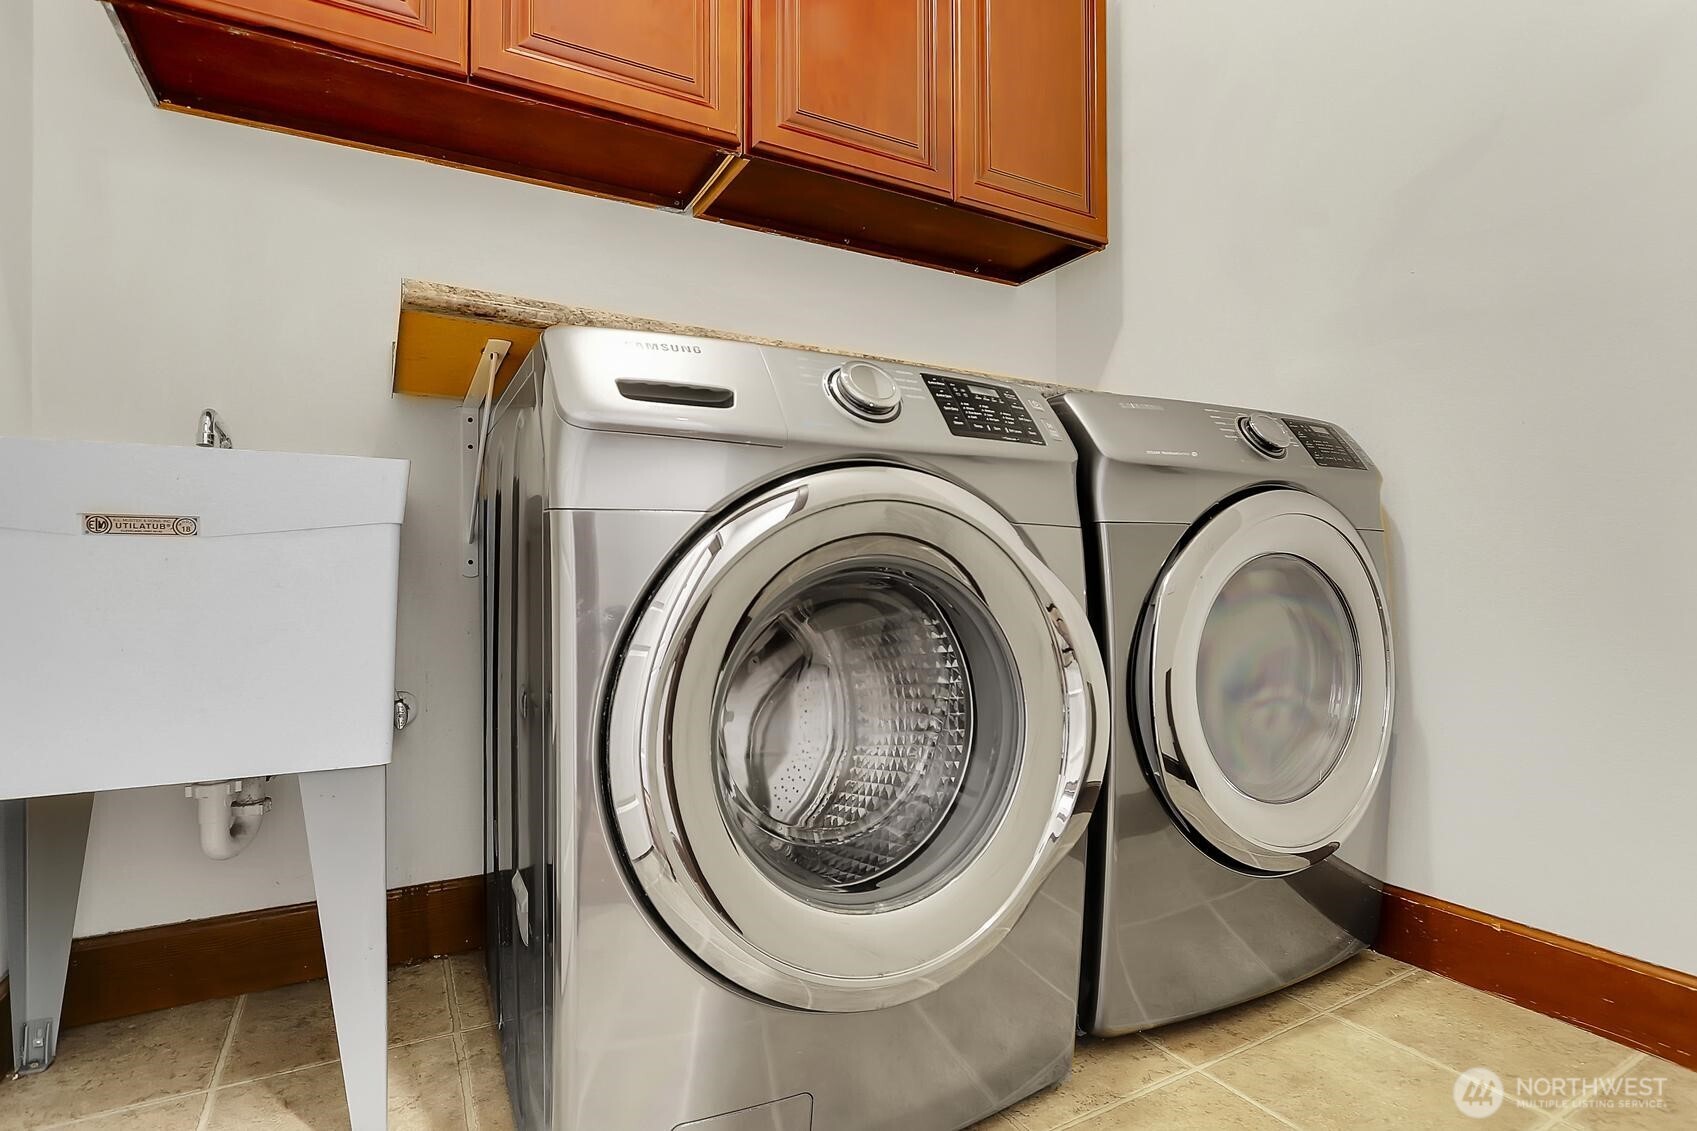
[
  {"x": 268, "y": 1061},
  {"x": 1372, "y": 1044}
]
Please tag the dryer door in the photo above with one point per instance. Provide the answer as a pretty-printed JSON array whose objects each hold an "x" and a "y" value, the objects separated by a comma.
[
  {"x": 1264, "y": 681},
  {"x": 853, "y": 729}
]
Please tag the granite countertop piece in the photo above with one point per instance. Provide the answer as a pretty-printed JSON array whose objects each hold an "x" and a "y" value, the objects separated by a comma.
[{"x": 489, "y": 306}]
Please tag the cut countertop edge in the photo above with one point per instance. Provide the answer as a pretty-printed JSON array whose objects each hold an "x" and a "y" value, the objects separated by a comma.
[{"x": 422, "y": 297}]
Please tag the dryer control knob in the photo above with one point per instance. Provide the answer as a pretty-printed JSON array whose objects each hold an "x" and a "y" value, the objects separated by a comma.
[
  {"x": 1266, "y": 434},
  {"x": 865, "y": 390}
]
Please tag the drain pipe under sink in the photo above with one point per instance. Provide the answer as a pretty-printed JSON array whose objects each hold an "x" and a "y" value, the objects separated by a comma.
[{"x": 230, "y": 813}]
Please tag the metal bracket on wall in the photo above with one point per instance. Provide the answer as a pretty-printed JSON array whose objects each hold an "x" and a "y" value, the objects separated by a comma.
[{"x": 474, "y": 433}]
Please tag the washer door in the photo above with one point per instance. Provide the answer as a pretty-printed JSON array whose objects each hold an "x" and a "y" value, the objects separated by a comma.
[
  {"x": 1264, "y": 681},
  {"x": 853, "y": 729}
]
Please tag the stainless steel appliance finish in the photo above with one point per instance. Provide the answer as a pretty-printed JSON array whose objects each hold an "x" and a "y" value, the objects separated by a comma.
[
  {"x": 1243, "y": 617},
  {"x": 795, "y": 724}
]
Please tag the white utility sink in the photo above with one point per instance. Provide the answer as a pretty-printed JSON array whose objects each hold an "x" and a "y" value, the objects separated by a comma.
[
  {"x": 254, "y": 633},
  {"x": 173, "y": 615}
]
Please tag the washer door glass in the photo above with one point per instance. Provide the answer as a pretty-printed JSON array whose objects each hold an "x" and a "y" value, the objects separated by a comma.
[
  {"x": 1263, "y": 680},
  {"x": 854, "y": 728},
  {"x": 1278, "y": 677},
  {"x": 849, "y": 724}
]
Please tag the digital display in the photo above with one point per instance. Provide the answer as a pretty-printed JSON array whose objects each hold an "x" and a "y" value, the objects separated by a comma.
[
  {"x": 983, "y": 412},
  {"x": 1327, "y": 448}
]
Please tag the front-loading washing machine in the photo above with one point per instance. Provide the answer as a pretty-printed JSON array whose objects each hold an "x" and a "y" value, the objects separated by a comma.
[
  {"x": 1242, "y": 612},
  {"x": 795, "y": 721}
]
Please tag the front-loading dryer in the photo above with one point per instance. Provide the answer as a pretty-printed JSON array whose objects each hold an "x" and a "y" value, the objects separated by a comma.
[
  {"x": 795, "y": 723},
  {"x": 1242, "y": 612}
]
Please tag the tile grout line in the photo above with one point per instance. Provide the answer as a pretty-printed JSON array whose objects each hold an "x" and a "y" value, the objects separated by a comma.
[
  {"x": 1190, "y": 1068},
  {"x": 1209, "y": 1062},
  {"x": 338, "y": 1060},
  {"x": 1313, "y": 1013},
  {"x": 1202, "y": 1068},
  {"x": 223, "y": 1051},
  {"x": 221, "y": 1063},
  {"x": 1638, "y": 1057},
  {"x": 1114, "y": 1104},
  {"x": 1249, "y": 1099},
  {"x": 217, "y": 1065},
  {"x": 453, "y": 998},
  {"x": 462, "y": 1059},
  {"x": 1399, "y": 976},
  {"x": 1432, "y": 1060},
  {"x": 125, "y": 1110},
  {"x": 1552, "y": 1116}
]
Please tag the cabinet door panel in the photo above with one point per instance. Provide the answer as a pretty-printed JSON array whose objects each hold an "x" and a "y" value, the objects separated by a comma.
[
  {"x": 676, "y": 64},
  {"x": 1033, "y": 99},
  {"x": 428, "y": 33},
  {"x": 862, "y": 86}
]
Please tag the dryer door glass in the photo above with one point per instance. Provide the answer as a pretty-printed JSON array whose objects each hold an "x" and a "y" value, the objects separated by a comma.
[
  {"x": 1278, "y": 678},
  {"x": 854, "y": 729},
  {"x": 1263, "y": 681}
]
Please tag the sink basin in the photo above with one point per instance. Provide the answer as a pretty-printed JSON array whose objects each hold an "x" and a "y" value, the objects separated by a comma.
[{"x": 181, "y": 614}]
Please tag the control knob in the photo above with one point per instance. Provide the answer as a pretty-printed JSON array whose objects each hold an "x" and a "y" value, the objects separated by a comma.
[
  {"x": 865, "y": 390},
  {"x": 1266, "y": 434}
]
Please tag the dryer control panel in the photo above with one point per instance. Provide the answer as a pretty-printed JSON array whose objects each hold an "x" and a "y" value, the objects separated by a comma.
[
  {"x": 1155, "y": 460},
  {"x": 982, "y": 410},
  {"x": 1324, "y": 444}
]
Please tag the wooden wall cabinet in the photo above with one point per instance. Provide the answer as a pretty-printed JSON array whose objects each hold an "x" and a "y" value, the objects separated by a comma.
[
  {"x": 1033, "y": 108},
  {"x": 425, "y": 33},
  {"x": 968, "y": 135},
  {"x": 864, "y": 87},
  {"x": 197, "y": 56},
  {"x": 676, "y": 64}
]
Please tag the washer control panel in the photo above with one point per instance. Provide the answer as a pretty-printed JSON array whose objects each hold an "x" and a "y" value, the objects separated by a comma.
[
  {"x": 983, "y": 411},
  {"x": 1325, "y": 445}
]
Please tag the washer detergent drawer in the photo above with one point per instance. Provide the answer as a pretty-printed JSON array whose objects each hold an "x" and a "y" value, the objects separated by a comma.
[{"x": 794, "y": 1113}]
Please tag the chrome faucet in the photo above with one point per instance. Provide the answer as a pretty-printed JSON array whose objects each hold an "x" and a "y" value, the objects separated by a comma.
[{"x": 212, "y": 434}]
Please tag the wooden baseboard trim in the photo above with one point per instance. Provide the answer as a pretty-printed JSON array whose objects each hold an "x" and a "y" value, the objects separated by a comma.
[
  {"x": 1636, "y": 1003},
  {"x": 130, "y": 972}
]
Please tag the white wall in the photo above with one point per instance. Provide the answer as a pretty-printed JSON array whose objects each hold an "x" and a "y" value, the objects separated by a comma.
[
  {"x": 15, "y": 163},
  {"x": 1468, "y": 232},
  {"x": 182, "y": 263},
  {"x": 16, "y": 159}
]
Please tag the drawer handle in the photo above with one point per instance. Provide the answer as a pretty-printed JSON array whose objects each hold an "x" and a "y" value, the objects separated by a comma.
[{"x": 668, "y": 392}]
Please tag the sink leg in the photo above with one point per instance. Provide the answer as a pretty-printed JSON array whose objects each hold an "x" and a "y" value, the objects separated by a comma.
[
  {"x": 44, "y": 839},
  {"x": 345, "y": 828}
]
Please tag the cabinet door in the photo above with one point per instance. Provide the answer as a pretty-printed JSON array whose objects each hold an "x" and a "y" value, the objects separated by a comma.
[
  {"x": 1033, "y": 112},
  {"x": 676, "y": 64},
  {"x": 426, "y": 33},
  {"x": 862, "y": 86}
]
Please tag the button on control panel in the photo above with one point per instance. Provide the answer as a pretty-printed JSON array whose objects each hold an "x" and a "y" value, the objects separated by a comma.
[
  {"x": 865, "y": 390},
  {"x": 1266, "y": 434},
  {"x": 983, "y": 411},
  {"x": 1327, "y": 448}
]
